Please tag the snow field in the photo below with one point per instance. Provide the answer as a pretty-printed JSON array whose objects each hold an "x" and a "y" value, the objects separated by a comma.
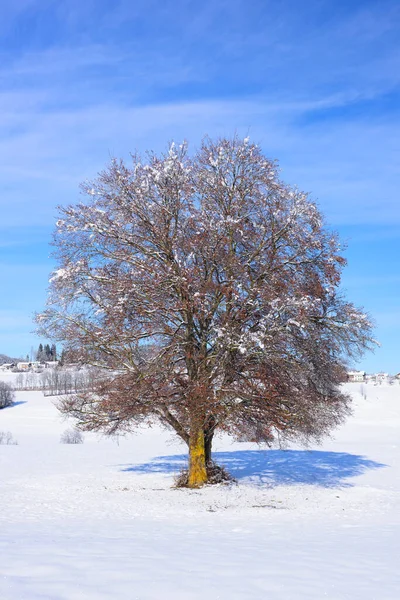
[{"x": 101, "y": 520}]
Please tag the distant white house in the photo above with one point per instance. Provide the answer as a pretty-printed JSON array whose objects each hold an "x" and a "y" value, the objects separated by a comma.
[
  {"x": 382, "y": 377},
  {"x": 28, "y": 366},
  {"x": 379, "y": 378},
  {"x": 7, "y": 366},
  {"x": 50, "y": 364},
  {"x": 356, "y": 376},
  {"x": 24, "y": 366},
  {"x": 34, "y": 365}
]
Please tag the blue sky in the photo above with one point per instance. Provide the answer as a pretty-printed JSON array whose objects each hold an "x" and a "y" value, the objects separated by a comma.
[{"x": 317, "y": 84}]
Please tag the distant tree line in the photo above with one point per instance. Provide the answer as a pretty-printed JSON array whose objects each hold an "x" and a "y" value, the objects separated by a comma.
[
  {"x": 46, "y": 353},
  {"x": 58, "y": 381}
]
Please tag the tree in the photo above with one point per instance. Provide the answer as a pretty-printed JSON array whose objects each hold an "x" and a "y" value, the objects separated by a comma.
[
  {"x": 63, "y": 358},
  {"x": 210, "y": 291},
  {"x": 53, "y": 352},
  {"x": 7, "y": 395},
  {"x": 40, "y": 353},
  {"x": 47, "y": 352}
]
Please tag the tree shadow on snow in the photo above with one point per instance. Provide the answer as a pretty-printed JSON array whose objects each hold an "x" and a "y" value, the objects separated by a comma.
[
  {"x": 275, "y": 467},
  {"x": 15, "y": 404}
]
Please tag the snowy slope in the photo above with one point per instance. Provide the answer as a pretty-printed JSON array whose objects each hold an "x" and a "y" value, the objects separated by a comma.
[{"x": 101, "y": 521}]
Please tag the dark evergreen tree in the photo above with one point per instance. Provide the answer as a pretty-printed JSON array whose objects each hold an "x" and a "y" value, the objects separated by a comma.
[
  {"x": 62, "y": 358},
  {"x": 40, "y": 354}
]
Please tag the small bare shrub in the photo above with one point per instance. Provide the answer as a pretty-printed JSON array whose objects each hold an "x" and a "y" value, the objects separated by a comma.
[
  {"x": 72, "y": 436},
  {"x": 6, "y": 439},
  {"x": 7, "y": 395}
]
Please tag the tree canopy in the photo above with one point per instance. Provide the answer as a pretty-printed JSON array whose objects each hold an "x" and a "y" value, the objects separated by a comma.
[{"x": 209, "y": 291}]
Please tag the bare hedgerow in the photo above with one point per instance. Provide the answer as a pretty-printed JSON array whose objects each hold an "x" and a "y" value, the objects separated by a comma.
[
  {"x": 72, "y": 436},
  {"x": 7, "y": 395},
  {"x": 6, "y": 439}
]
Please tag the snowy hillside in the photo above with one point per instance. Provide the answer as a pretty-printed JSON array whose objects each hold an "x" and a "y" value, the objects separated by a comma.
[{"x": 101, "y": 520}]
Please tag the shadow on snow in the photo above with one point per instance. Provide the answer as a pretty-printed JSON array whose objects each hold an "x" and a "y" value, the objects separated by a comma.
[
  {"x": 275, "y": 467},
  {"x": 14, "y": 404}
]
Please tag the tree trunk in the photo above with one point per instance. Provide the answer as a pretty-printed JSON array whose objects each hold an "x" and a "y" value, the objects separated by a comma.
[
  {"x": 208, "y": 437},
  {"x": 197, "y": 459},
  {"x": 209, "y": 430}
]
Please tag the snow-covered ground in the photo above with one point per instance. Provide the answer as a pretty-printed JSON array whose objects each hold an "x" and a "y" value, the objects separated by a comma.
[{"x": 101, "y": 520}]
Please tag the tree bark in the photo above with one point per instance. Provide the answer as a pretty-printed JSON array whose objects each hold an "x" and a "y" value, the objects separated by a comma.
[
  {"x": 209, "y": 430},
  {"x": 197, "y": 459},
  {"x": 208, "y": 437}
]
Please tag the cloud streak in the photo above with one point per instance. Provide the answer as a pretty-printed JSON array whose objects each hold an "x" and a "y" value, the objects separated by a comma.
[{"x": 350, "y": 167}]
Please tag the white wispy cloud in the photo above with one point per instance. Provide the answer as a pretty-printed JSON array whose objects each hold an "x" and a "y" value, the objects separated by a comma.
[{"x": 350, "y": 167}]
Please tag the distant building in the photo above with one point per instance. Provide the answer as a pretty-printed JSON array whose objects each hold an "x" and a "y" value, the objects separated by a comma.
[
  {"x": 382, "y": 377},
  {"x": 24, "y": 366},
  {"x": 356, "y": 376},
  {"x": 7, "y": 366},
  {"x": 50, "y": 364}
]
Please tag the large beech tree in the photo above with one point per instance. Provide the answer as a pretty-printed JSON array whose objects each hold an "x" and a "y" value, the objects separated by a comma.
[{"x": 209, "y": 292}]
